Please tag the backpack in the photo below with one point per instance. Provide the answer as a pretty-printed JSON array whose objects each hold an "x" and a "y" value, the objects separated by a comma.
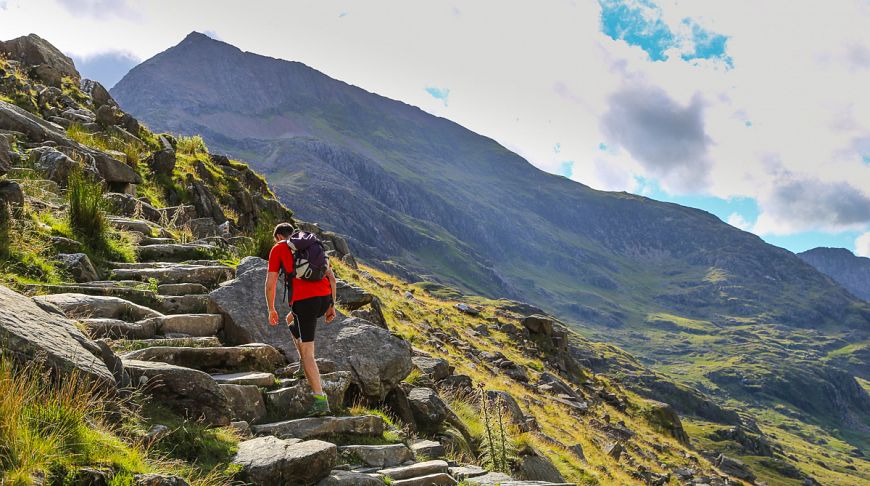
[{"x": 309, "y": 261}]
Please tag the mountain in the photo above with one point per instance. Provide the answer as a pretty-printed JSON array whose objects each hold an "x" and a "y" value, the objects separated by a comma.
[
  {"x": 424, "y": 198},
  {"x": 850, "y": 271}
]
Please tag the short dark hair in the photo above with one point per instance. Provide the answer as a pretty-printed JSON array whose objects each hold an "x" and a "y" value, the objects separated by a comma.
[{"x": 284, "y": 229}]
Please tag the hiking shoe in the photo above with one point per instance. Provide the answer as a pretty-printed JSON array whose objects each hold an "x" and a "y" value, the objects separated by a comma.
[{"x": 320, "y": 407}]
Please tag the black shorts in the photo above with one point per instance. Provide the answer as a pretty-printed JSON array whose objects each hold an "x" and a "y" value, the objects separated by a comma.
[{"x": 305, "y": 315}]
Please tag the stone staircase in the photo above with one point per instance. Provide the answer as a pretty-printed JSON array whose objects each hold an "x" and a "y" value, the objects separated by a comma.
[{"x": 155, "y": 314}]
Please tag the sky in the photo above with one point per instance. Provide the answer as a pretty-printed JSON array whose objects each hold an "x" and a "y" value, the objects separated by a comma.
[{"x": 757, "y": 112}]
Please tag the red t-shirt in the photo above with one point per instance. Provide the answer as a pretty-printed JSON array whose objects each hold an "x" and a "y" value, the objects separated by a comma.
[{"x": 302, "y": 289}]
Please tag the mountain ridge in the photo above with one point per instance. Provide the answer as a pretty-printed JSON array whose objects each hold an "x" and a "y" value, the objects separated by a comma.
[{"x": 846, "y": 268}]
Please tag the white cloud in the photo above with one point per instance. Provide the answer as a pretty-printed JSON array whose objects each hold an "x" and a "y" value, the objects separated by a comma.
[
  {"x": 862, "y": 245},
  {"x": 738, "y": 221},
  {"x": 530, "y": 75}
]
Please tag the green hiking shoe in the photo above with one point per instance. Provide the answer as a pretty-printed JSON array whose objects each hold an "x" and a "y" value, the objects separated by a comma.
[{"x": 320, "y": 407}]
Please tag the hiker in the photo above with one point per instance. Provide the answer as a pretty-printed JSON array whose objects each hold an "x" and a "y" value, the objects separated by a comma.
[{"x": 310, "y": 285}]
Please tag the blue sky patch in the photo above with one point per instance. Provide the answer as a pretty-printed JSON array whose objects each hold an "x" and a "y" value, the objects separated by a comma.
[
  {"x": 602, "y": 146},
  {"x": 639, "y": 24},
  {"x": 439, "y": 93},
  {"x": 866, "y": 159},
  {"x": 566, "y": 168},
  {"x": 748, "y": 123},
  {"x": 557, "y": 148},
  {"x": 708, "y": 45}
]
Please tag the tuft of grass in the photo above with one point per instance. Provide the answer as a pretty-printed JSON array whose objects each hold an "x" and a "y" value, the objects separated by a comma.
[
  {"x": 191, "y": 145},
  {"x": 87, "y": 212},
  {"x": 261, "y": 243}
]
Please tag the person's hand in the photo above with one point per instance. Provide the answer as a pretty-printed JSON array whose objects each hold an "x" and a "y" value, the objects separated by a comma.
[
  {"x": 273, "y": 317},
  {"x": 330, "y": 314}
]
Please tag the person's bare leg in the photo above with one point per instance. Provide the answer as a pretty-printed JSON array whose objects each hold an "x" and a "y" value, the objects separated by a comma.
[{"x": 306, "y": 351}]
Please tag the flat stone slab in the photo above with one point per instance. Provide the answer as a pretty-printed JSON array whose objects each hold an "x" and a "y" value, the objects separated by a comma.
[
  {"x": 248, "y": 357},
  {"x": 257, "y": 378},
  {"x": 269, "y": 461},
  {"x": 501, "y": 479},
  {"x": 209, "y": 276},
  {"x": 181, "y": 289},
  {"x": 294, "y": 401},
  {"x": 118, "y": 329},
  {"x": 415, "y": 470},
  {"x": 246, "y": 402},
  {"x": 181, "y": 304},
  {"x": 438, "y": 479},
  {"x": 349, "y": 478},
  {"x": 307, "y": 428},
  {"x": 427, "y": 448},
  {"x": 189, "y": 342},
  {"x": 194, "y": 325},
  {"x": 175, "y": 252},
  {"x": 94, "y": 306},
  {"x": 465, "y": 472},
  {"x": 389, "y": 455}
]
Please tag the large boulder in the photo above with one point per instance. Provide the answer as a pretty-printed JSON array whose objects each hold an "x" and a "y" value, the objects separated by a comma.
[
  {"x": 435, "y": 368},
  {"x": 45, "y": 61},
  {"x": 11, "y": 194},
  {"x": 539, "y": 324},
  {"x": 246, "y": 402},
  {"x": 53, "y": 164},
  {"x": 187, "y": 391},
  {"x": 244, "y": 309},
  {"x": 29, "y": 332},
  {"x": 377, "y": 360},
  {"x": 534, "y": 466},
  {"x": 734, "y": 467},
  {"x": 664, "y": 419},
  {"x": 350, "y": 296},
  {"x": 99, "y": 94},
  {"x": 267, "y": 461},
  {"x": 247, "y": 357},
  {"x": 35, "y": 128}
]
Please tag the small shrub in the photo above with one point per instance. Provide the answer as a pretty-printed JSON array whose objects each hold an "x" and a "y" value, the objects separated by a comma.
[
  {"x": 262, "y": 241},
  {"x": 498, "y": 443},
  {"x": 87, "y": 216}
]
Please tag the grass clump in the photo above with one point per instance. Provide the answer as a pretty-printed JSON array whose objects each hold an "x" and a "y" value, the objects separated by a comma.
[
  {"x": 87, "y": 210},
  {"x": 261, "y": 241},
  {"x": 50, "y": 427},
  {"x": 191, "y": 145}
]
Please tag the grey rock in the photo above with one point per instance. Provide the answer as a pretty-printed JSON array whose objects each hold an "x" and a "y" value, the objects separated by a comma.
[
  {"x": 99, "y": 94},
  {"x": 462, "y": 383},
  {"x": 187, "y": 391},
  {"x": 66, "y": 245},
  {"x": 308, "y": 428},
  {"x": 514, "y": 412},
  {"x": 209, "y": 276},
  {"x": 5, "y": 158},
  {"x": 372, "y": 313},
  {"x": 11, "y": 194},
  {"x": 128, "y": 206},
  {"x": 79, "y": 266},
  {"x": 536, "y": 467},
  {"x": 249, "y": 357},
  {"x": 246, "y": 402},
  {"x": 734, "y": 467},
  {"x": 428, "y": 408},
  {"x": 437, "y": 479},
  {"x": 195, "y": 325},
  {"x": 268, "y": 461},
  {"x": 349, "y": 478},
  {"x": 28, "y": 331},
  {"x": 97, "y": 306},
  {"x": 175, "y": 252},
  {"x": 325, "y": 366},
  {"x": 46, "y": 61},
  {"x": 182, "y": 289},
  {"x": 614, "y": 450},
  {"x": 350, "y": 296},
  {"x": 427, "y": 448},
  {"x": 246, "y": 378},
  {"x": 113, "y": 170},
  {"x": 242, "y": 428},
  {"x": 390, "y": 455},
  {"x": 436, "y": 368},
  {"x": 464, "y": 472},
  {"x": 414, "y": 470},
  {"x": 118, "y": 329},
  {"x": 53, "y": 164}
]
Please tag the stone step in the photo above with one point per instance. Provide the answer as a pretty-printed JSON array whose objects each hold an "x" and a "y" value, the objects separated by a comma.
[
  {"x": 416, "y": 470},
  {"x": 295, "y": 397},
  {"x": 147, "y": 228},
  {"x": 338, "y": 477},
  {"x": 384, "y": 456},
  {"x": 76, "y": 305},
  {"x": 307, "y": 428},
  {"x": 193, "y": 325},
  {"x": 102, "y": 328},
  {"x": 465, "y": 472},
  {"x": 181, "y": 289},
  {"x": 175, "y": 252},
  {"x": 437, "y": 479},
  {"x": 192, "y": 342},
  {"x": 180, "y": 304},
  {"x": 268, "y": 461},
  {"x": 148, "y": 241},
  {"x": 247, "y": 357},
  {"x": 123, "y": 290},
  {"x": 257, "y": 378},
  {"x": 427, "y": 448},
  {"x": 501, "y": 479},
  {"x": 209, "y": 276}
]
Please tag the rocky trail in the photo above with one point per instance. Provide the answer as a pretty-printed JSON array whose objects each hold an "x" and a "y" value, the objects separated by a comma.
[{"x": 177, "y": 352}]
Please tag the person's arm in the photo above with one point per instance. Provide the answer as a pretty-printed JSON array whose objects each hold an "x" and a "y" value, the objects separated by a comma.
[
  {"x": 330, "y": 313},
  {"x": 271, "y": 283}
]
